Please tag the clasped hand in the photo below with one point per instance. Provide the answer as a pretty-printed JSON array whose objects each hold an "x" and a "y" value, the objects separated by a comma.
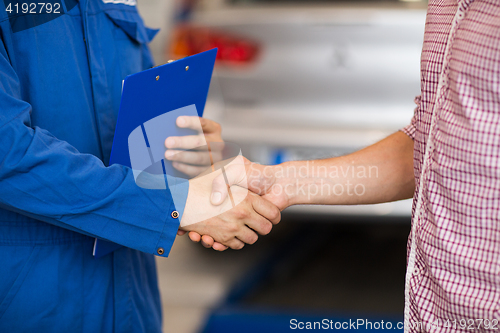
[{"x": 255, "y": 209}]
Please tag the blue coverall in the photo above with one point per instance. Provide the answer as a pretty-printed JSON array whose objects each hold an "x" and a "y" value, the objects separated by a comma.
[{"x": 60, "y": 86}]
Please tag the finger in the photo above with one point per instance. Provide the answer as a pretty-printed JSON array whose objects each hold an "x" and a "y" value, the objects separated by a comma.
[
  {"x": 219, "y": 247},
  {"x": 235, "y": 244},
  {"x": 247, "y": 236},
  {"x": 189, "y": 157},
  {"x": 181, "y": 232},
  {"x": 194, "y": 236},
  {"x": 215, "y": 145},
  {"x": 186, "y": 142},
  {"x": 199, "y": 124},
  {"x": 210, "y": 126},
  {"x": 191, "y": 122},
  {"x": 219, "y": 190},
  {"x": 209, "y": 241},
  {"x": 216, "y": 156},
  {"x": 266, "y": 209},
  {"x": 190, "y": 170},
  {"x": 259, "y": 224},
  {"x": 205, "y": 245}
]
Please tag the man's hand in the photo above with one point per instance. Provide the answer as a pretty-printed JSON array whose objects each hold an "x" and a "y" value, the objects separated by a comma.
[
  {"x": 229, "y": 226},
  {"x": 382, "y": 172},
  {"x": 195, "y": 162},
  {"x": 242, "y": 224},
  {"x": 259, "y": 179}
]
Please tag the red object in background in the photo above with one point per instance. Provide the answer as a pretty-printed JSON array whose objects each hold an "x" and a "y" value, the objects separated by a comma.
[{"x": 233, "y": 50}]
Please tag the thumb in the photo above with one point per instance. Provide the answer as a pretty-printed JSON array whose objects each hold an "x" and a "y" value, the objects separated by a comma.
[
  {"x": 231, "y": 175},
  {"x": 219, "y": 190}
]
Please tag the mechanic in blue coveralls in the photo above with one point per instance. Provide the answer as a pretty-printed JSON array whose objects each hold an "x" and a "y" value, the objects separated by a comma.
[{"x": 60, "y": 85}]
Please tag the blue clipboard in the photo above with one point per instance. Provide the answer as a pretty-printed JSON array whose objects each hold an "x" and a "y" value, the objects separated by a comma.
[{"x": 152, "y": 93}]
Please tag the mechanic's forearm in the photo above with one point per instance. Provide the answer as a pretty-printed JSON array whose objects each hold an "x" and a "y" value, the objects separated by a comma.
[{"x": 379, "y": 173}]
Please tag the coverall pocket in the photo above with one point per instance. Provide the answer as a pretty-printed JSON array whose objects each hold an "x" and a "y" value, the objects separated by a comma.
[
  {"x": 131, "y": 26},
  {"x": 16, "y": 263}
]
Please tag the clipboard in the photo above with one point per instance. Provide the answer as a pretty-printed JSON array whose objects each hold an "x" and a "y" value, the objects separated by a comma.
[{"x": 178, "y": 85}]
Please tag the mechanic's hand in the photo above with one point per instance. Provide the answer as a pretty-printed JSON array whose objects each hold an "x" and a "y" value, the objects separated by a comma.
[
  {"x": 197, "y": 159},
  {"x": 206, "y": 240},
  {"x": 229, "y": 226}
]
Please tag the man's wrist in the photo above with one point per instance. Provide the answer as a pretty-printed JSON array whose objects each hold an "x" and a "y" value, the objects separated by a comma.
[
  {"x": 287, "y": 181},
  {"x": 303, "y": 182}
]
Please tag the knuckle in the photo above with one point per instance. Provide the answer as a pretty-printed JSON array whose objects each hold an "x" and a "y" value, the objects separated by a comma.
[
  {"x": 241, "y": 214},
  {"x": 219, "y": 183},
  {"x": 203, "y": 121},
  {"x": 250, "y": 198},
  {"x": 235, "y": 245},
  {"x": 226, "y": 238},
  {"x": 233, "y": 228},
  {"x": 276, "y": 215}
]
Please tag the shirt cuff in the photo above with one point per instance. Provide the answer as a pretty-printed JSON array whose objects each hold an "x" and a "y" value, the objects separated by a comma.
[
  {"x": 179, "y": 189},
  {"x": 409, "y": 130}
]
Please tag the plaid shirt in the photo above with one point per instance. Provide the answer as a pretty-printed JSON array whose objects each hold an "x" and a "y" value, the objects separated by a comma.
[{"x": 453, "y": 276}]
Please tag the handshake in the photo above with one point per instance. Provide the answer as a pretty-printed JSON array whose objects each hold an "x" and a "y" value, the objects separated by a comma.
[{"x": 229, "y": 204}]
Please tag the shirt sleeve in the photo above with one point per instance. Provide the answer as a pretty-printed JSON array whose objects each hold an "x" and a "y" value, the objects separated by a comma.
[
  {"x": 49, "y": 180},
  {"x": 411, "y": 128}
]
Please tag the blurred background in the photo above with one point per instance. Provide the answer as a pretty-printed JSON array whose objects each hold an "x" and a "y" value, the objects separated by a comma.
[{"x": 294, "y": 80}]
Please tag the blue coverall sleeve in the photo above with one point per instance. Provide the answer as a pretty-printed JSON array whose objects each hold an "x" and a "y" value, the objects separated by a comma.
[{"x": 49, "y": 180}]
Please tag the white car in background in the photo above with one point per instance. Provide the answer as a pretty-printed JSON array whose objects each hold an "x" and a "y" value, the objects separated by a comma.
[{"x": 309, "y": 79}]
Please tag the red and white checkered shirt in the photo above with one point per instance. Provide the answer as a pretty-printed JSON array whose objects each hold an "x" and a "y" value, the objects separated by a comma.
[{"x": 453, "y": 277}]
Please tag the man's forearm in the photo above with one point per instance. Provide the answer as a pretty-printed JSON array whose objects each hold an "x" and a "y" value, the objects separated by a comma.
[{"x": 379, "y": 173}]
